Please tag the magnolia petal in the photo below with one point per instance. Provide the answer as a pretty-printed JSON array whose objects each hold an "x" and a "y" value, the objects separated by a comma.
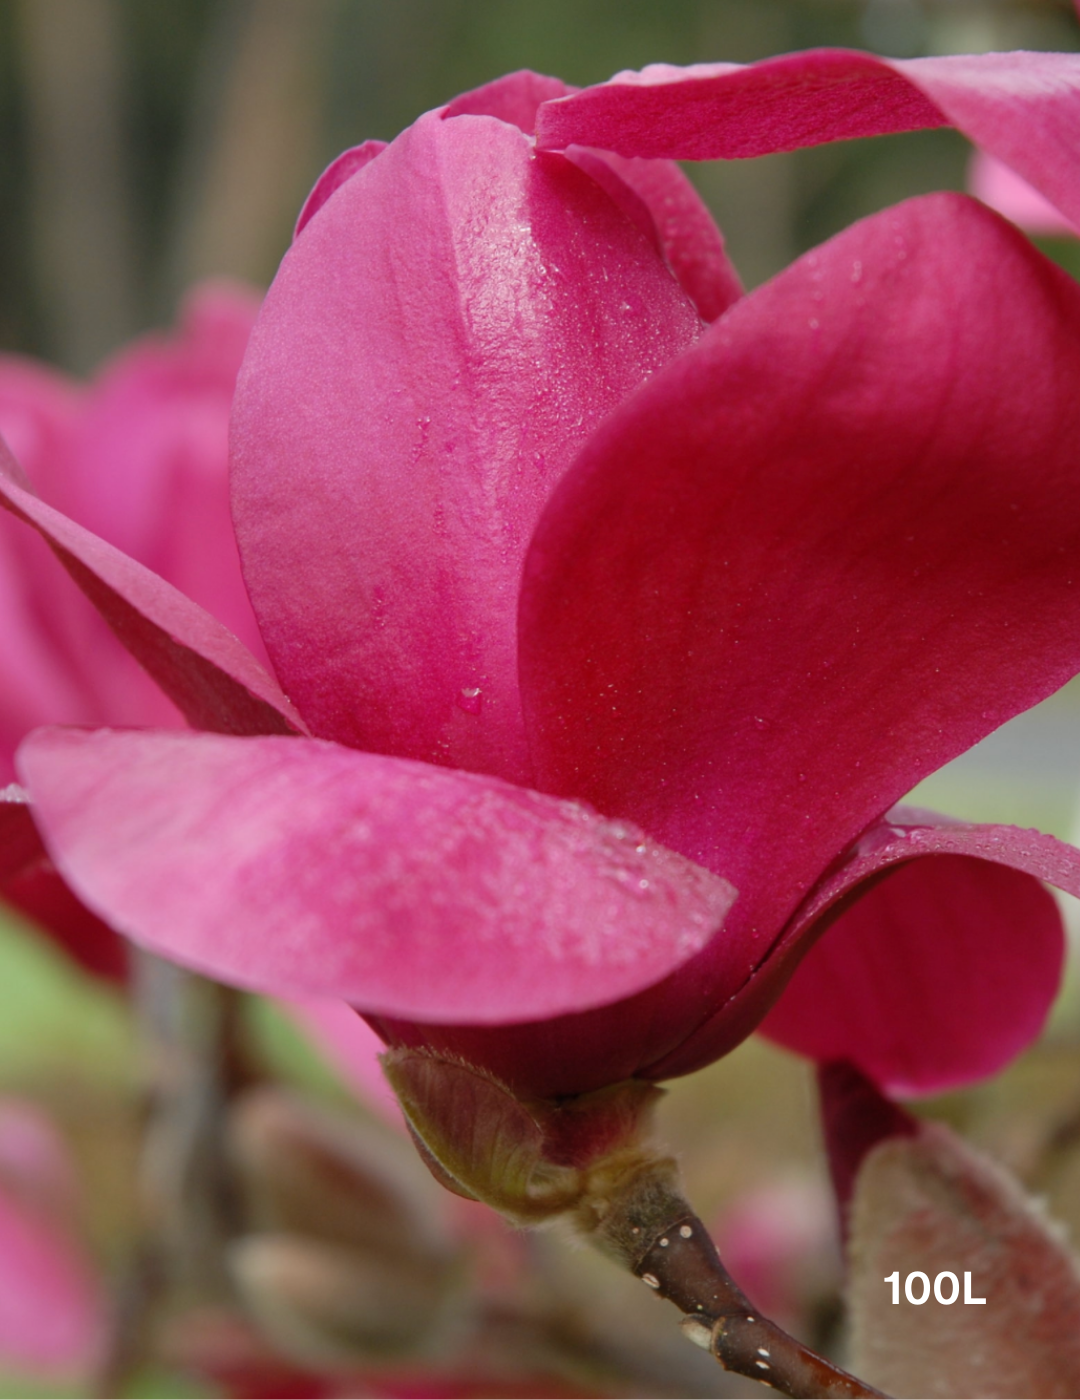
[
  {"x": 293, "y": 866},
  {"x": 435, "y": 349},
  {"x": 212, "y": 677},
  {"x": 146, "y": 464},
  {"x": 1023, "y": 108},
  {"x": 30, "y": 883},
  {"x": 334, "y": 176},
  {"x": 825, "y": 551},
  {"x": 935, "y": 977},
  {"x": 678, "y": 220}
]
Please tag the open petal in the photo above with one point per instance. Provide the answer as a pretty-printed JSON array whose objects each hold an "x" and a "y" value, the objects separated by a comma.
[
  {"x": 343, "y": 168},
  {"x": 211, "y": 676},
  {"x": 437, "y": 346},
  {"x": 821, "y": 554},
  {"x": 1023, "y": 108},
  {"x": 934, "y": 977},
  {"x": 297, "y": 867}
]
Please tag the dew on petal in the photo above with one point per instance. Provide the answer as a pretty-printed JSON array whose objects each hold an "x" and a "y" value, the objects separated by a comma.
[{"x": 470, "y": 699}]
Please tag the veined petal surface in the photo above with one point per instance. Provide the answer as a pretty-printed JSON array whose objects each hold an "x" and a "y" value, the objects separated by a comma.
[
  {"x": 942, "y": 973},
  {"x": 438, "y": 344},
  {"x": 821, "y": 554},
  {"x": 1023, "y": 108},
  {"x": 299, "y": 867}
]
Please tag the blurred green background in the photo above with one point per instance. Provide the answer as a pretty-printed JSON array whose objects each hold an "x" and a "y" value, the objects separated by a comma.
[
  {"x": 144, "y": 143},
  {"x": 147, "y": 143}
]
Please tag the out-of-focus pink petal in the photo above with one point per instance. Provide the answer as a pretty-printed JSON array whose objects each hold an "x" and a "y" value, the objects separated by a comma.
[
  {"x": 211, "y": 676},
  {"x": 30, "y": 883},
  {"x": 1023, "y": 108},
  {"x": 825, "y": 551},
  {"x": 38, "y": 406},
  {"x": 35, "y": 1164},
  {"x": 436, "y": 348},
  {"x": 970, "y": 934},
  {"x": 39, "y": 682},
  {"x": 351, "y": 1047},
  {"x": 995, "y": 184},
  {"x": 146, "y": 465},
  {"x": 51, "y": 1313},
  {"x": 334, "y": 176},
  {"x": 294, "y": 866}
]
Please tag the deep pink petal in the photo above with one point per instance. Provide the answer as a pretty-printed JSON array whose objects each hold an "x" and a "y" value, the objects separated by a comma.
[
  {"x": 436, "y": 348},
  {"x": 212, "y": 677},
  {"x": 828, "y": 549},
  {"x": 969, "y": 937},
  {"x": 1023, "y": 108},
  {"x": 654, "y": 194},
  {"x": 30, "y": 883},
  {"x": 334, "y": 176},
  {"x": 658, "y": 197},
  {"x": 293, "y": 866}
]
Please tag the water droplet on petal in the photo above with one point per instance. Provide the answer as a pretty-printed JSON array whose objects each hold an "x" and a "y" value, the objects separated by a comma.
[{"x": 470, "y": 699}]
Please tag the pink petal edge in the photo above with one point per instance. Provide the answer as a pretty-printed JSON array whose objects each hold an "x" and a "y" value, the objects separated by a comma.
[
  {"x": 1022, "y": 108},
  {"x": 211, "y": 676},
  {"x": 295, "y": 866}
]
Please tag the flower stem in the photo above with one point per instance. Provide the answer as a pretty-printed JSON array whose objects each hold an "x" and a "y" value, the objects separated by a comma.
[{"x": 652, "y": 1229}]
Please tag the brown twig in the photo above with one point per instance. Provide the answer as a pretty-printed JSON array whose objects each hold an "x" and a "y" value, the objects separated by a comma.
[{"x": 669, "y": 1249}]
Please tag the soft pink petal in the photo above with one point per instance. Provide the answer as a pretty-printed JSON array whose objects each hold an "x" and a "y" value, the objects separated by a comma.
[
  {"x": 654, "y": 194},
  {"x": 658, "y": 197},
  {"x": 212, "y": 677},
  {"x": 147, "y": 461},
  {"x": 995, "y": 184},
  {"x": 1023, "y": 108},
  {"x": 29, "y": 882},
  {"x": 937, "y": 976},
  {"x": 817, "y": 557},
  {"x": 334, "y": 176},
  {"x": 51, "y": 1311},
  {"x": 140, "y": 458},
  {"x": 436, "y": 348},
  {"x": 292, "y": 866}
]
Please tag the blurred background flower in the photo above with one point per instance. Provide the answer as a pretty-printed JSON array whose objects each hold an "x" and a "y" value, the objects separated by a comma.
[{"x": 146, "y": 145}]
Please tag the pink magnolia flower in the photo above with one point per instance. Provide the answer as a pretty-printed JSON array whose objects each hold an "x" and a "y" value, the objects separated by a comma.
[
  {"x": 140, "y": 456},
  {"x": 618, "y": 634}
]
